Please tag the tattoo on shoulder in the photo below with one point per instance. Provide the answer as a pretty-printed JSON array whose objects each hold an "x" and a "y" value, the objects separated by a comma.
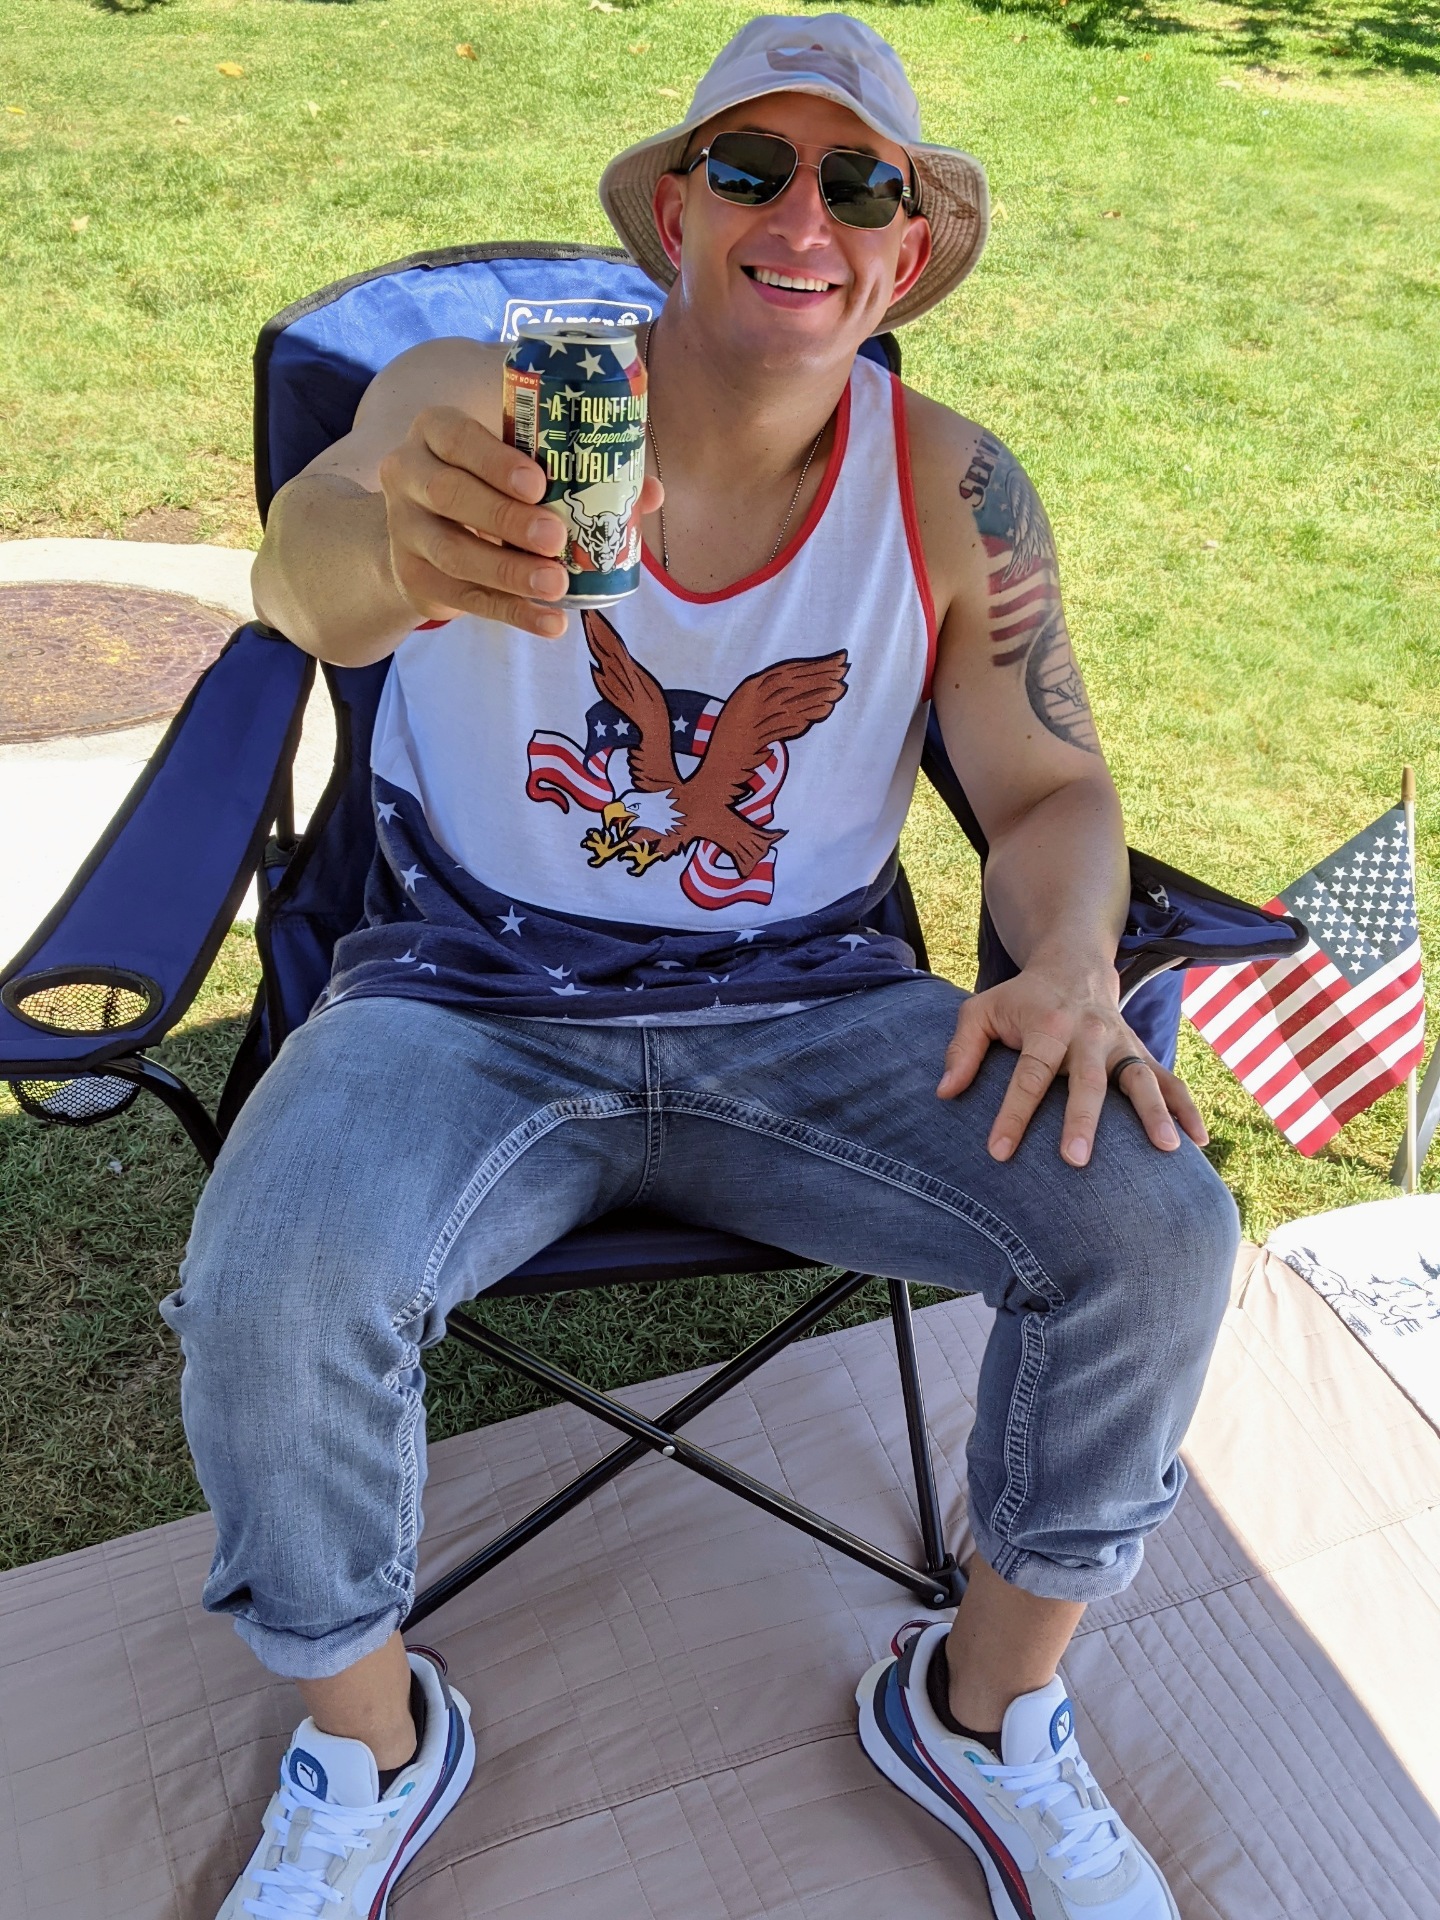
[{"x": 1026, "y": 620}]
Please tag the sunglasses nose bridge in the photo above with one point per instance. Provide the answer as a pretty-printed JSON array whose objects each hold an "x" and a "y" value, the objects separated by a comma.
[
  {"x": 834, "y": 203},
  {"x": 805, "y": 166},
  {"x": 821, "y": 204}
]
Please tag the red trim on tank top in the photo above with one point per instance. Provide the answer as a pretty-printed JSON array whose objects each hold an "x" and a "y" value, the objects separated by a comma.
[
  {"x": 797, "y": 539},
  {"x": 912, "y": 528},
  {"x": 426, "y": 626}
]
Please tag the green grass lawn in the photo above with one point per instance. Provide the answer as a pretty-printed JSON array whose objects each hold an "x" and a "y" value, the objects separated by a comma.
[{"x": 1208, "y": 322}]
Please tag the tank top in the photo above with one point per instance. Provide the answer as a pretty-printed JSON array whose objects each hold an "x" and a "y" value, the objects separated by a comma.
[{"x": 694, "y": 796}]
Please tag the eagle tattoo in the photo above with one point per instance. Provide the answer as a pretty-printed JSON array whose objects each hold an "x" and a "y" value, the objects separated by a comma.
[
  {"x": 662, "y": 813},
  {"x": 1032, "y": 543}
]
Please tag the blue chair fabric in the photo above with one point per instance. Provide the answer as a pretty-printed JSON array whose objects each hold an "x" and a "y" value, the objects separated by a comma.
[
  {"x": 163, "y": 883},
  {"x": 314, "y": 360}
]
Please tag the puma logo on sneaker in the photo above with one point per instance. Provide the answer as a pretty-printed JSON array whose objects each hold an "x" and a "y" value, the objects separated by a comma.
[
  {"x": 307, "y": 1772},
  {"x": 331, "y": 1843}
]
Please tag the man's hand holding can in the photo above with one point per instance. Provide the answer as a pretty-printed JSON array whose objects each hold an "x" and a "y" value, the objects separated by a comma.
[{"x": 467, "y": 531}]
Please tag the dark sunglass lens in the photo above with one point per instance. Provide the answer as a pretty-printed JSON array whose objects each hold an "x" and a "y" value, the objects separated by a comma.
[
  {"x": 859, "y": 190},
  {"x": 749, "y": 168}
]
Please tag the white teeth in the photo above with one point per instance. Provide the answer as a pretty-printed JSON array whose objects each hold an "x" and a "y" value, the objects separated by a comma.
[{"x": 791, "y": 282}]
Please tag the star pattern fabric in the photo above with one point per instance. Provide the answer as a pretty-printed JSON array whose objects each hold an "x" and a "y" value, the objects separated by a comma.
[
  {"x": 1360, "y": 904},
  {"x": 434, "y": 932}
]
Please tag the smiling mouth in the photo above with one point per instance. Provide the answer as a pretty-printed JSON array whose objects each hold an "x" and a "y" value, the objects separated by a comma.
[{"x": 789, "y": 282}]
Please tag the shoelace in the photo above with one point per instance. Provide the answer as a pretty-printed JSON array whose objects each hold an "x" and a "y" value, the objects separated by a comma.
[
  {"x": 292, "y": 1892},
  {"x": 1091, "y": 1838}
]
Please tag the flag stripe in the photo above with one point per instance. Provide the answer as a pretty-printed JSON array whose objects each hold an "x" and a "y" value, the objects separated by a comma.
[
  {"x": 709, "y": 884},
  {"x": 1363, "y": 1088},
  {"x": 1371, "y": 1035},
  {"x": 1316, "y": 1057},
  {"x": 1319, "y": 1035},
  {"x": 1327, "y": 1075},
  {"x": 1304, "y": 1033},
  {"x": 1290, "y": 1019},
  {"x": 1274, "y": 1081},
  {"x": 558, "y": 769},
  {"x": 1237, "y": 1004}
]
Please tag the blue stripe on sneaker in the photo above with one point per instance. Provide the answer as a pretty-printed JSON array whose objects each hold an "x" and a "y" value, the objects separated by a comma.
[
  {"x": 892, "y": 1716},
  {"x": 894, "y": 1723},
  {"x": 454, "y": 1747}
]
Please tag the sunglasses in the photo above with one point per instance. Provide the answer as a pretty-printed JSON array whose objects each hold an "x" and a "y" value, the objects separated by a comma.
[{"x": 752, "y": 169}]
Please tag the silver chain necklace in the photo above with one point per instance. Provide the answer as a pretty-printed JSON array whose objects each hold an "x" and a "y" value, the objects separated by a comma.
[{"x": 659, "y": 475}]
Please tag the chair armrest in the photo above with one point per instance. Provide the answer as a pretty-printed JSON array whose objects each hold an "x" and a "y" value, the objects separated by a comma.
[{"x": 121, "y": 956}]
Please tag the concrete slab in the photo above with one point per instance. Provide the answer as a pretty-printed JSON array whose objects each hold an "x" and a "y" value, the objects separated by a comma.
[
  {"x": 220, "y": 576},
  {"x": 63, "y": 792}
]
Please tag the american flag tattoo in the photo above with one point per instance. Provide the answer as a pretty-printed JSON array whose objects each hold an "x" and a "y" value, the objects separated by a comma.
[{"x": 1026, "y": 620}]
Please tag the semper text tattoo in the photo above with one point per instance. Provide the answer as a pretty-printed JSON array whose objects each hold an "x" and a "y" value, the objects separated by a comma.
[{"x": 1025, "y": 618}]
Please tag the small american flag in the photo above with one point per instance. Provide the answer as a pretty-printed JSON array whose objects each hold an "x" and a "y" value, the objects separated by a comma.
[{"x": 1319, "y": 1035}]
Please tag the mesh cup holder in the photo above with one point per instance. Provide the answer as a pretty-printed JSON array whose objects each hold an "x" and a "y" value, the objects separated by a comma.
[
  {"x": 82, "y": 1000},
  {"x": 75, "y": 1103}
]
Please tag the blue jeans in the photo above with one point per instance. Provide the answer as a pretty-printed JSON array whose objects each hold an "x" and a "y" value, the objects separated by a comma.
[{"x": 399, "y": 1158}]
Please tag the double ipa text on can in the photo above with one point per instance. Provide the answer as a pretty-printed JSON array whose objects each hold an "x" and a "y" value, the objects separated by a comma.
[{"x": 575, "y": 401}]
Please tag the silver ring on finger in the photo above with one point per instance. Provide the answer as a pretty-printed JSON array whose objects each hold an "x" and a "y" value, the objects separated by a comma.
[{"x": 1122, "y": 1066}]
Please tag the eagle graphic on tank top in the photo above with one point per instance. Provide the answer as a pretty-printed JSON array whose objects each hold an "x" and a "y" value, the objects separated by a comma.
[{"x": 716, "y": 809}]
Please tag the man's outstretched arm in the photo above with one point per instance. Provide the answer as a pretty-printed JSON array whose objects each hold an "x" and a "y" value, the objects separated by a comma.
[
  {"x": 1018, "y": 727},
  {"x": 420, "y": 512}
]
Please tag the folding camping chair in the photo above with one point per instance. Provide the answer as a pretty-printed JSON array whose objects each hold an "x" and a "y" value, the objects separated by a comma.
[{"x": 120, "y": 958}]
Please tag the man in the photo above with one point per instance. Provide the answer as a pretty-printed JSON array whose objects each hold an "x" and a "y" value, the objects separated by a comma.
[{"x": 541, "y": 1021}]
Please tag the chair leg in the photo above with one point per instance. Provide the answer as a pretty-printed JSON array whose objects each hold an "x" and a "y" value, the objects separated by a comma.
[
  {"x": 182, "y": 1101},
  {"x": 792, "y": 1327},
  {"x": 940, "y": 1584},
  {"x": 663, "y": 1439},
  {"x": 939, "y": 1562}
]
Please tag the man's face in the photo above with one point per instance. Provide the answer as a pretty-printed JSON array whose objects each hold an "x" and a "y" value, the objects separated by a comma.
[{"x": 729, "y": 257}]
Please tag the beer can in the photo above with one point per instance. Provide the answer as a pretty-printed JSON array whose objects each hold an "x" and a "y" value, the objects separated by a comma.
[{"x": 574, "y": 400}]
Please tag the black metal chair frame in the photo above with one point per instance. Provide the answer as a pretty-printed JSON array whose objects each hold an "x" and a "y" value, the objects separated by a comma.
[{"x": 936, "y": 1583}]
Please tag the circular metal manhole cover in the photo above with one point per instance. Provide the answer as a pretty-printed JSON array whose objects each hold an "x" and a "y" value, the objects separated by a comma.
[{"x": 84, "y": 659}]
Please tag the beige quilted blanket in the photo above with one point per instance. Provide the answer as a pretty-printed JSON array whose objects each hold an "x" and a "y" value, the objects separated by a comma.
[{"x": 662, "y": 1685}]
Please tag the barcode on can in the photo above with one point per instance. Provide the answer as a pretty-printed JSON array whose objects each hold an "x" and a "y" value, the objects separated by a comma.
[
  {"x": 526, "y": 422},
  {"x": 522, "y": 410}
]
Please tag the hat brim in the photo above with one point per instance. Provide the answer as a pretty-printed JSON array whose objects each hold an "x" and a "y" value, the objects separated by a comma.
[{"x": 954, "y": 198}]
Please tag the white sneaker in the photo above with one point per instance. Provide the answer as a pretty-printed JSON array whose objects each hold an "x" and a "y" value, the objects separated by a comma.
[
  {"x": 1051, "y": 1845},
  {"x": 330, "y": 1845}
]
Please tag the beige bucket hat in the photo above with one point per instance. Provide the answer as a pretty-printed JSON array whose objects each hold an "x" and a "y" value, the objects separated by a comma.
[{"x": 842, "y": 60}]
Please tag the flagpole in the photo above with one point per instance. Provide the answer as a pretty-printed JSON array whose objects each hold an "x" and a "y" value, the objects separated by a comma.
[{"x": 1411, "y": 1182}]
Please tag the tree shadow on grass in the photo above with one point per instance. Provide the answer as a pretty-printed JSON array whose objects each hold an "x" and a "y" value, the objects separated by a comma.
[{"x": 1400, "y": 36}]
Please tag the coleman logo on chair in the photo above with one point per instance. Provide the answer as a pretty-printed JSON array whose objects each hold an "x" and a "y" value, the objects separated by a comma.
[{"x": 573, "y": 313}]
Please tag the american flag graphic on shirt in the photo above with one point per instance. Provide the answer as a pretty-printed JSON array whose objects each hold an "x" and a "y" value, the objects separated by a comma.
[
  {"x": 1319, "y": 1035},
  {"x": 564, "y": 770}
]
